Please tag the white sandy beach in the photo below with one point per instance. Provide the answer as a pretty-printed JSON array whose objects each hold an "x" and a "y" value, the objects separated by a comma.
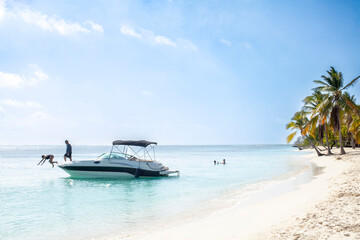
[{"x": 327, "y": 207}]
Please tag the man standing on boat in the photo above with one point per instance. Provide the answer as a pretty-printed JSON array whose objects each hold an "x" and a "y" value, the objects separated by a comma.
[{"x": 68, "y": 151}]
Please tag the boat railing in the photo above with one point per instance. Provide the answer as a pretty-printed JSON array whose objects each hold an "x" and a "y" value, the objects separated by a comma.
[{"x": 129, "y": 157}]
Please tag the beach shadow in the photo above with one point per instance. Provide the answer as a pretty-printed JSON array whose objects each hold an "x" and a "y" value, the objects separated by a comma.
[{"x": 316, "y": 170}]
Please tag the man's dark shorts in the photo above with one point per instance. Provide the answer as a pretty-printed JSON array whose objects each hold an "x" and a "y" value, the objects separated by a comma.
[{"x": 67, "y": 155}]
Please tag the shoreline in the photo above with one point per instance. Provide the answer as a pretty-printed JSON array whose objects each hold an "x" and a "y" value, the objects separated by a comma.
[
  {"x": 336, "y": 217},
  {"x": 301, "y": 171},
  {"x": 261, "y": 219}
]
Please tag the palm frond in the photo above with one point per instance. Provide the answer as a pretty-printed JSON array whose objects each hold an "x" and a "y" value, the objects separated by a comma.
[
  {"x": 317, "y": 88},
  {"x": 350, "y": 84},
  {"x": 323, "y": 119},
  {"x": 357, "y": 137},
  {"x": 290, "y": 137},
  {"x": 330, "y": 79},
  {"x": 349, "y": 102},
  {"x": 313, "y": 128},
  {"x": 306, "y": 130},
  {"x": 320, "y": 82},
  {"x": 340, "y": 80},
  {"x": 324, "y": 106},
  {"x": 355, "y": 125},
  {"x": 290, "y": 125}
]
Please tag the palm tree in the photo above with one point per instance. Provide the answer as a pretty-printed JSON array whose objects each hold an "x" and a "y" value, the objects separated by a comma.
[
  {"x": 355, "y": 128},
  {"x": 320, "y": 113},
  {"x": 332, "y": 87},
  {"x": 299, "y": 122},
  {"x": 350, "y": 109}
]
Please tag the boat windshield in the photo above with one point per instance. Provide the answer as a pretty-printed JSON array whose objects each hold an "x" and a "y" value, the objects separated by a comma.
[{"x": 111, "y": 156}]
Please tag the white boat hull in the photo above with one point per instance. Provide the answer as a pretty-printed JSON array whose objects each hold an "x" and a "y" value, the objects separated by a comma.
[
  {"x": 95, "y": 174},
  {"x": 114, "y": 169}
]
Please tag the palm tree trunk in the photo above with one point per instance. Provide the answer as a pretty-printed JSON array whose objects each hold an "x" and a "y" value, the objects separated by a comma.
[
  {"x": 333, "y": 144},
  {"x": 352, "y": 141},
  {"x": 342, "y": 151},
  {"x": 327, "y": 140},
  {"x": 313, "y": 145}
]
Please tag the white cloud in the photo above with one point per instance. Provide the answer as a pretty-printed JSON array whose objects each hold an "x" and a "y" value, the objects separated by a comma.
[
  {"x": 2, "y": 9},
  {"x": 226, "y": 42},
  {"x": 39, "y": 115},
  {"x": 2, "y": 114},
  {"x": 96, "y": 27},
  {"x": 36, "y": 75},
  {"x": 246, "y": 45},
  {"x": 9, "y": 80},
  {"x": 15, "y": 114},
  {"x": 147, "y": 93},
  {"x": 199, "y": 126},
  {"x": 165, "y": 41},
  {"x": 18, "y": 120},
  {"x": 47, "y": 23},
  {"x": 18, "y": 104},
  {"x": 187, "y": 44},
  {"x": 33, "y": 104},
  {"x": 128, "y": 31},
  {"x": 12, "y": 103},
  {"x": 152, "y": 38},
  {"x": 243, "y": 44},
  {"x": 50, "y": 24},
  {"x": 33, "y": 76}
]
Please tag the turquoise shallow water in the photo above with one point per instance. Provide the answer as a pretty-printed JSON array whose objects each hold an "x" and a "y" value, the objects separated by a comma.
[{"x": 44, "y": 203}]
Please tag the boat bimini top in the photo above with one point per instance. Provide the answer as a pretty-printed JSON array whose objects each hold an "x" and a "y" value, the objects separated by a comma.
[{"x": 134, "y": 150}]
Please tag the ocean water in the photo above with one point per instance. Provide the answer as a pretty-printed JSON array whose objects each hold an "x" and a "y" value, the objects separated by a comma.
[{"x": 41, "y": 202}]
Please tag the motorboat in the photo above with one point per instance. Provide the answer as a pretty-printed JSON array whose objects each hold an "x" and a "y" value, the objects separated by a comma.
[{"x": 127, "y": 158}]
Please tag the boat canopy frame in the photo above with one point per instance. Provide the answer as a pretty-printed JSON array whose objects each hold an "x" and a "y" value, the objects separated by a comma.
[
  {"x": 136, "y": 148},
  {"x": 138, "y": 143}
]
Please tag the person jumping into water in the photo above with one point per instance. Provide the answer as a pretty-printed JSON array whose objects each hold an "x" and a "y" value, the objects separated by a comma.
[
  {"x": 48, "y": 157},
  {"x": 68, "y": 151}
]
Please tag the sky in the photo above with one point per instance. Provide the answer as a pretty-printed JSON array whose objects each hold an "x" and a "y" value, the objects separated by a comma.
[{"x": 175, "y": 72}]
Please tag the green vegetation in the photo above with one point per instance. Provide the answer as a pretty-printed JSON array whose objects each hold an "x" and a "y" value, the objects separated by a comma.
[{"x": 328, "y": 112}]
